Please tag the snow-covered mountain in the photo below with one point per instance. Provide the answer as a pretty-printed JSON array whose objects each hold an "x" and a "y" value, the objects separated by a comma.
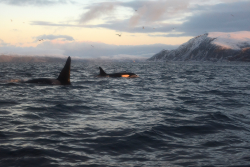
[{"x": 209, "y": 47}]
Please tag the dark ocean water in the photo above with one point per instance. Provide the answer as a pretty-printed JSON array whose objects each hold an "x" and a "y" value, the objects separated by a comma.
[{"x": 174, "y": 114}]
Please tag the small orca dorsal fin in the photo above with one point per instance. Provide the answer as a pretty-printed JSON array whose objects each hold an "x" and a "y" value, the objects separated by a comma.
[
  {"x": 102, "y": 72},
  {"x": 64, "y": 76}
]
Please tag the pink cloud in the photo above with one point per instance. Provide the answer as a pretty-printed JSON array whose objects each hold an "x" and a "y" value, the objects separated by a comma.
[
  {"x": 232, "y": 39},
  {"x": 97, "y": 11}
]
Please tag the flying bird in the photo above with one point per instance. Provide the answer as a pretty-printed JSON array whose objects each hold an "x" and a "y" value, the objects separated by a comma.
[
  {"x": 232, "y": 15},
  {"x": 92, "y": 45},
  {"x": 119, "y": 35},
  {"x": 143, "y": 27},
  {"x": 11, "y": 20},
  {"x": 40, "y": 39}
]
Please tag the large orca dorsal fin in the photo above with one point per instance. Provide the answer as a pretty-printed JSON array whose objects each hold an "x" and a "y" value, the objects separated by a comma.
[
  {"x": 64, "y": 76},
  {"x": 102, "y": 72}
]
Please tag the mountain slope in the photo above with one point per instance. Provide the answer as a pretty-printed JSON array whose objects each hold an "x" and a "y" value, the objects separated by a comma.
[{"x": 206, "y": 48}]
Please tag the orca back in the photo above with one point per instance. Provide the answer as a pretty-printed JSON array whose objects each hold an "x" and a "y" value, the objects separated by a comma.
[
  {"x": 64, "y": 76},
  {"x": 120, "y": 74}
]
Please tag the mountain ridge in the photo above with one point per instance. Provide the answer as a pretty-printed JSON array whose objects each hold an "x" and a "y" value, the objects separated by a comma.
[{"x": 205, "y": 48}]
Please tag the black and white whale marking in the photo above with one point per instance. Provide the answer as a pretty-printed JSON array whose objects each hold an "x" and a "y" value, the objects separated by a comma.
[
  {"x": 63, "y": 78},
  {"x": 120, "y": 74}
]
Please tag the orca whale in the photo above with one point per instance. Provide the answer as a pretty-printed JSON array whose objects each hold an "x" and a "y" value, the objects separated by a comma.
[
  {"x": 63, "y": 78},
  {"x": 120, "y": 74}
]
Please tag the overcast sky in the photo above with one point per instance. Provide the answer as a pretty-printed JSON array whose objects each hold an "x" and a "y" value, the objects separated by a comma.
[{"x": 113, "y": 29}]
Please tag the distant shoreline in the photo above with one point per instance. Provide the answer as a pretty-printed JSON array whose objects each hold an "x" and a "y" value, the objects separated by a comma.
[{"x": 55, "y": 59}]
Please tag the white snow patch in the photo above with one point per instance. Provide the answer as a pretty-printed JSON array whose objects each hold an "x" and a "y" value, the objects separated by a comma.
[
  {"x": 230, "y": 40},
  {"x": 197, "y": 41}
]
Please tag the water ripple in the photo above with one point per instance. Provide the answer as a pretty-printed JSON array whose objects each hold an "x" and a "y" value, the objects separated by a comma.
[{"x": 174, "y": 114}]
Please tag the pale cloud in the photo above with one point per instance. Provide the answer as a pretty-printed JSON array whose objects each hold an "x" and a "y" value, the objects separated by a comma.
[
  {"x": 233, "y": 40},
  {"x": 188, "y": 18},
  {"x": 35, "y": 2},
  {"x": 231, "y": 1},
  {"x": 2, "y": 43},
  {"x": 153, "y": 11},
  {"x": 107, "y": 51},
  {"x": 224, "y": 17},
  {"x": 52, "y": 37},
  {"x": 86, "y": 49},
  {"x": 97, "y": 11},
  {"x": 46, "y": 23},
  {"x": 97, "y": 49},
  {"x": 146, "y": 11},
  {"x": 172, "y": 18}
]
